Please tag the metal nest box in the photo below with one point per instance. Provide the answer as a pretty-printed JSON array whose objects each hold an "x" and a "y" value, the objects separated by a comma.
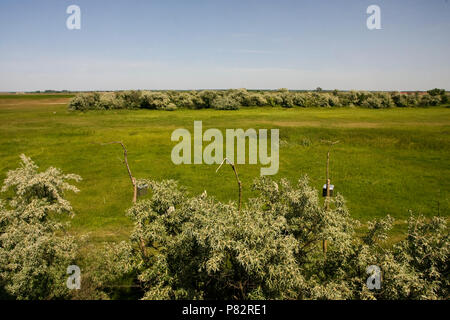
[
  {"x": 324, "y": 190},
  {"x": 142, "y": 190}
]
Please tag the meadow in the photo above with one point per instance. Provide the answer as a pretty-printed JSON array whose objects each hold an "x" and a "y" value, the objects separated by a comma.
[{"x": 388, "y": 161}]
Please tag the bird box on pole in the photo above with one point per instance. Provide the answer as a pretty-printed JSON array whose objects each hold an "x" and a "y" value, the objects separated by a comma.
[{"x": 324, "y": 190}]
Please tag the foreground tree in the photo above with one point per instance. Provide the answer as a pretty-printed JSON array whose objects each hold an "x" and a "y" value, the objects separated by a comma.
[
  {"x": 198, "y": 248},
  {"x": 34, "y": 251},
  {"x": 184, "y": 247}
]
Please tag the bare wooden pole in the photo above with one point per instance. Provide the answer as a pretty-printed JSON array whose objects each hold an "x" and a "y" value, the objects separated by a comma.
[
  {"x": 125, "y": 155},
  {"x": 237, "y": 179},
  {"x": 327, "y": 199},
  {"x": 133, "y": 182}
]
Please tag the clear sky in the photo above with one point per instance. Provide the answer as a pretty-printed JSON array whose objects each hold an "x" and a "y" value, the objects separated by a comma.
[{"x": 199, "y": 44}]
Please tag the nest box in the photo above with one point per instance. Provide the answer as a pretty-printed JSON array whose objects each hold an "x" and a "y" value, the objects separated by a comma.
[
  {"x": 142, "y": 190},
  {"x": 324, "y": 190}
]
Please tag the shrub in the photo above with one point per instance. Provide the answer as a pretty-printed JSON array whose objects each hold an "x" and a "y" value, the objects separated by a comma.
[
  {"x": 274, "y": 99},
  {"x": 378, "y": 100},
  {"x": 106, "y": 273},
  {"x": 300, "y": 99},
  {"x": 155, "y": 100},
  {"x": 427, "y": 100},
  {"x": 372, "y": 103},
  {"x": 197, "y": 100},
  {"x": 184, "y": 100},
  {"x": 334, "y": 101},
  {"x": 439, "y": 93},
  {"x": 205, "y": 98},
  {"x": 412, "y": 100},
  {"x": 129, "y": 99},
  {"x": 108, "y": 101},
  {"x": 400, "y": 100},
  {"x": 208, "y": 250},
  {"x": 287, "y": 100},
  {"x": 241, "y": 96},
  {"x": 257, "y": 99},
  {"x": 436, "y": 92},
  {"x": 84, "y": 101},
  {"x": 425, "y": 252},
  {"x": 319, "y": 100},
  {"x": 184, "y": 247},
  {"x": 198, "y": 248},
  {"x": 34, "y": 253},
  {"x": 234, "y": 98},
  {"x": 385, "y": 99},
  {"x": 225, "y": 103},
  {"x": 349, "y": 98}
]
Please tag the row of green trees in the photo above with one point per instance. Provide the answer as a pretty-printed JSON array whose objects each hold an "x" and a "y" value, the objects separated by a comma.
[
  {"x": 235, "y": 98},
  {"x": 185, "y": 247}
]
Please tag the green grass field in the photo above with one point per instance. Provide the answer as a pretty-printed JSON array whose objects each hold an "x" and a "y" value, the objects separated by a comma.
[{"x": 387, "y": 162}]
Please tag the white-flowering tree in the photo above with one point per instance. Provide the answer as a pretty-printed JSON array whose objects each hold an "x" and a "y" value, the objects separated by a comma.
[
  {"x": 186, "y": 247},
  {"x": 34, "y": 250},
  {"x": 227, "y": 102},
  {"x": 85, "y": 101},
  {"x": 232, "y": 99}
]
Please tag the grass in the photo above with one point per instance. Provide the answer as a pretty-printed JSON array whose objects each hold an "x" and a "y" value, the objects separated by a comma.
[{"x": 387, "y": 162}]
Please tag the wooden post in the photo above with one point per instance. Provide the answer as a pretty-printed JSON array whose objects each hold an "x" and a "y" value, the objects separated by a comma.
[
  {"x": 327, "y": 202},
  {"x": 237, "y": 179},
  {"x": 125, "y": 156},
  {"x": 327, "y": 198},
  {"x": 134, "y": 183},
  {"x": 135, "y": 189}
]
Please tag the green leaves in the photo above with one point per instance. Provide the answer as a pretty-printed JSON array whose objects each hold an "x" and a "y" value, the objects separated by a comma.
[
  {"x": 44, "y": 190},
  {"x": 205, "y": 249},
  {"x": 233, "y": 99},
  {"x": 185, "y": 247},
  {"x": 33, "y": 254}
]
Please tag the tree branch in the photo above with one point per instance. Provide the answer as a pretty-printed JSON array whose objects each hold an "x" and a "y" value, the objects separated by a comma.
[
  {"x": 133, "y": 182},
  {"x": 237, "y": 179},
  {"x": 125, "y": 155}
]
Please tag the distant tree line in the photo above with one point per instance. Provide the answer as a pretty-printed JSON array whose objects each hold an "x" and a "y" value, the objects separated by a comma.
[{"x": 234, "y": 99}]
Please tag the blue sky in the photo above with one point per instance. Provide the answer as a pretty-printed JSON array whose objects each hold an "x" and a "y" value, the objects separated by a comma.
[{"x": 195, "y": 44}]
